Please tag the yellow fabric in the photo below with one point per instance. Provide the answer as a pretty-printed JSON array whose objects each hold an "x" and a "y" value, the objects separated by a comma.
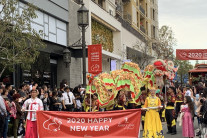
[
  {"x": 109, "y": 108},
  {"x": 87, "y": 109},
  {"x": 163, "y": 113},
  {"x": 178, "y": 102},
  {"x": 173, "y": 123},
  {"x": 170, "y": 107},
  {"x": 119, "y": 106},
  {"x": 143, "y": 117},
  {"x": 139, "y": 103},
  {"x": 152, "y": 124},
  {"x": 132, "y": 101}
]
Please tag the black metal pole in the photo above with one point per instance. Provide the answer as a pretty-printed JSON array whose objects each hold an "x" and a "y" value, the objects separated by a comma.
[
  {"x": 69, "y": 74},
  {"x": 84, "y": 56}
]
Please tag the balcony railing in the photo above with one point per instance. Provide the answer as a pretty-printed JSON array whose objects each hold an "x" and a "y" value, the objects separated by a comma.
[
  {"x": 126, "y": 0},
  {"x": 128, "y": 27},
  {"x": 128, "y": 17},
  {"x": 119, "y": 10},
  {"x": 142, "y": 9},
  {"x": 78, "y": 1},
  {"x": 142, "y": 28}
]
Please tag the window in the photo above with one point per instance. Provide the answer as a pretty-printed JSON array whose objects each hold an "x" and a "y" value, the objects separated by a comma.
[
  {"x": 100, "y": 2},
  {"x": 153, "y": 31},
  {"x": 111, "y": 12}
]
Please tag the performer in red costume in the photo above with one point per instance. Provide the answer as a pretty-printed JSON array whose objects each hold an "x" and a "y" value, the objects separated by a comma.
[{"x": 33, "y": 104}]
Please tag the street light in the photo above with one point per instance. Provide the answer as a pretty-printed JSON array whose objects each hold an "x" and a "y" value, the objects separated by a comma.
[
  {"x": 83, "y": 21},
  {"x": 66, "y": 57}
]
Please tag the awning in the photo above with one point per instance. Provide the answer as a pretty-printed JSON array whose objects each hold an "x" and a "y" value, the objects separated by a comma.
[{"x": 198, "y": 70}]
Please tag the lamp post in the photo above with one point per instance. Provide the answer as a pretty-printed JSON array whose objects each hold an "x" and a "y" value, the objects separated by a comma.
[
  {"x": 67, "y": 60},
  {"x": 166, "y": 83},
  {"x": 83, "y": 21}
]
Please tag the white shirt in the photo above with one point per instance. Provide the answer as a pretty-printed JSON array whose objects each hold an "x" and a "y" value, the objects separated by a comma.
[
  {"x": 188, "y": 93},
  {"x": 2, "y": 106},
  {"x": 30, "y": 87},
  {"x": 66, "y": 98},
  {"x": 78, "y": 103},
  {"x": 33, "y": 104}
]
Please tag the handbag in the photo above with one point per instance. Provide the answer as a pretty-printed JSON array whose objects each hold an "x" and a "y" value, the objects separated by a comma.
[{"x": 180, "y": 118}]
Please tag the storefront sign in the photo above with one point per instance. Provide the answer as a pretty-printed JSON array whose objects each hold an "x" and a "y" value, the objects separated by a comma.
[
  {"x": 191, "y": 54},
  {"x": 95, "y": 59},
  {"x": 120, "y": 124}
]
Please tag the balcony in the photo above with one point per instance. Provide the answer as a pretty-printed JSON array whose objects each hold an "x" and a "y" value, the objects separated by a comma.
[
  {"x": 142, "y": 28},
  {"x": 142, "y": 9},
  {"x": 126, "y": 0},
  {"x": 119, "y": 10},
  {"x": 78, "y": 1},
  {"x": 128, "y": 17},
  {"x": 128, "y": 27}
]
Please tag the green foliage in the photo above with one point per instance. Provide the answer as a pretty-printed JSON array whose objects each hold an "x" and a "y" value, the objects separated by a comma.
[
  {"x": 163, "y": 46},
  {"x": 165, "y": 43},
  {"x": 19, "y": 43},
  {"x": 184, "y": 67},
  {"x": 197, "y": 62}
]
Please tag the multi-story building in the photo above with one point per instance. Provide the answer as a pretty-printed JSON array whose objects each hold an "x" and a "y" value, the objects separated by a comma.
[
  {"x": 49, "y": 68},
  {"x": 119, "y": 25},
  {"x": 123, "y": 27}
]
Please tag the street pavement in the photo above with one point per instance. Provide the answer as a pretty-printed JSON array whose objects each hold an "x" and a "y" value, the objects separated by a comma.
[
  {"x": 179, "y": 130},
  {"x": 164, "y": 125}
]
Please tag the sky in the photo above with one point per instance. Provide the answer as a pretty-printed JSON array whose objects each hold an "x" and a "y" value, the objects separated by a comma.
[{"x": 188, "y": 20}]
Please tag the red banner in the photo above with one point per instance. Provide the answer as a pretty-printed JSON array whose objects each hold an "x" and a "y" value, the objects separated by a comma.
[
  {"x": 191, "y": 54},
  {"x": 95, "y": 59},
  {"x": 112, "y": 124}
]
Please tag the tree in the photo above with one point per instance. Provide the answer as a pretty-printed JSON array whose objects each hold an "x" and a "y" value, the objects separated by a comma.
[
  {"x": 197, "y": 62},
  {"x": 19, "y": 43},
  {"x": 145, "y": 53},
  {"x": 163, "y": 47},
  {"x": 184, "y": 67},
  {"x": 165, "y": 42}
]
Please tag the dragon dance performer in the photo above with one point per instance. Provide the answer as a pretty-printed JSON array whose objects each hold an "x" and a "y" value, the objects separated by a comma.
[
  {"x": 152, "y": 125},
  {"x": 95, "y": 104},
  {"x": 120, "y": 100},
  {"x": 86, "y": 103},
  {"x": 170, "y": 112},
  {"x": 143, "y": 97},
  {"x": 179, "y": 100},
  {"x": 130, "y": 102},
  {"x": 35, "y": 104}
]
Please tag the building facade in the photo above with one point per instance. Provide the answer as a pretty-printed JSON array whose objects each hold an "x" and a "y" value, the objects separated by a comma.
[
  {"x": 49, "y": 68},
  {"x": 123, "y": 27}
]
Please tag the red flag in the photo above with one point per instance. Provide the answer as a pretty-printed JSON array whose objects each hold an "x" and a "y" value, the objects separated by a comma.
[
  {"x": 112, "y": 124},
  {"x": 191, "y": 54},
  {"x": 95, "y": 59}
]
